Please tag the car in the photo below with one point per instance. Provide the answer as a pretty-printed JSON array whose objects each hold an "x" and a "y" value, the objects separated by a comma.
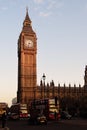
[
  {"x": 65, "y": 115},
  {"x": 41, "y": 119},
  {"x": 13, "y": 116}
]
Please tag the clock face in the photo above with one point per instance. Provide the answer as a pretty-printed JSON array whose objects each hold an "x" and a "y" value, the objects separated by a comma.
[{"x": 28, "y": 43}]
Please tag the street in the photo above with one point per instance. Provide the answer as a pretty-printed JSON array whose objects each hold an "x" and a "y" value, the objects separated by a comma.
[{"x": 73, "y": 124}]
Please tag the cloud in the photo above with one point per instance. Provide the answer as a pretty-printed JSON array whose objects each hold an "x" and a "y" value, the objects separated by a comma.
[
  {"x": 45, "y": 14},
  {"x": 38, "y": 1},
  {"x": 48, "y": 7},
  {"x": 55, "y": 4},
  {"x": 51, "y": 4},
  {"x": 3, "y": 8}
]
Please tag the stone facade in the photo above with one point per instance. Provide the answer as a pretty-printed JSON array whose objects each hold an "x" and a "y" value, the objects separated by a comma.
[
  {"x": 27, "y": 50},
  {"x": 27, "y": 73}
]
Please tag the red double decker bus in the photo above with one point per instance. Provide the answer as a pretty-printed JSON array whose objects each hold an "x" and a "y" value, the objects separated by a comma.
[
  {"x": 48, "y": 107},
  {"x": 19, "y": 111}
]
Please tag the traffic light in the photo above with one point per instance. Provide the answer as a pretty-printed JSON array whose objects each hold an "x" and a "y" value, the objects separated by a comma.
[{"x": 56, "y": 101}]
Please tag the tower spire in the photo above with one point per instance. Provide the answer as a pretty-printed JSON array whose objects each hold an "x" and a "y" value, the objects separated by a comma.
[
  {"x": 27, "y": 20},
  {"x": 26, "y": 10},
  {"x": 27, "y": 24}
]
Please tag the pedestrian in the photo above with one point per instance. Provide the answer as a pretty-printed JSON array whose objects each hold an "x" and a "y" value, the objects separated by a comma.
[
  {"x": 55, "y": 115},
  {"x": 4, "y": 118}
]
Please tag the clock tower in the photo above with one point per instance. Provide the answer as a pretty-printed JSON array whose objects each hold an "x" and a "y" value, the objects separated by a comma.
[{"x": 27, "y": 50}]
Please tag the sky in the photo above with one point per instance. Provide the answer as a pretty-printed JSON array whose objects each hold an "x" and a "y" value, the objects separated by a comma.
[{"x": 61, "y": 29}]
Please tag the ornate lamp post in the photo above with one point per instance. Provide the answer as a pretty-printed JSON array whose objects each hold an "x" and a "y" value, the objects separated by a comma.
[{"x": 44, "y": 77}]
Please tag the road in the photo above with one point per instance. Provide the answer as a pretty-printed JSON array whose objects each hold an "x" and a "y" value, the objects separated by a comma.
[{"x": 74, "y": 124}]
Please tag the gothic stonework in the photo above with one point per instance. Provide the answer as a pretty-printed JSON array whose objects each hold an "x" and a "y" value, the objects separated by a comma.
[
  {"x": 27, "y": 73},
  {"x": 27, "y": 50}
]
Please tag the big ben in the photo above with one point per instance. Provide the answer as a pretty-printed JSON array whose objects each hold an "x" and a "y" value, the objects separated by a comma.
[{"x": 27, "y": 50}]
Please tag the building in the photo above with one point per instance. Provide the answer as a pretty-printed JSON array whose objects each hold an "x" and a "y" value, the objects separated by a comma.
[
  {"x": 27, "y": 71},
  {"x": 27, "y": 50}
]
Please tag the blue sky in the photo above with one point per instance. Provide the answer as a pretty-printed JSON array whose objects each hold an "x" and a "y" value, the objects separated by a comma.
[{"x": 61, "y": 28}]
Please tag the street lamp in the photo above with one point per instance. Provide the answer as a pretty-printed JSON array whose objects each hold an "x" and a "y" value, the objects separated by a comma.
[{"x": 44, "y": 77}]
